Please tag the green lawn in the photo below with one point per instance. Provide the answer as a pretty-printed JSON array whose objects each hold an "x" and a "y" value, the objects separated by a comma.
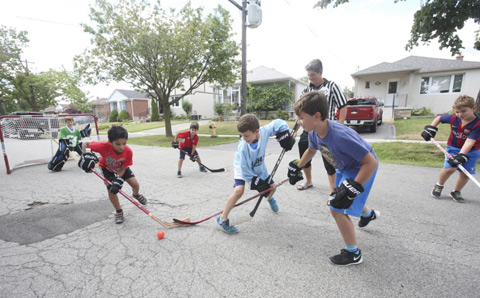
[
  {"x": 410, "y": 129},
  {"x": 136, "y": 127}
]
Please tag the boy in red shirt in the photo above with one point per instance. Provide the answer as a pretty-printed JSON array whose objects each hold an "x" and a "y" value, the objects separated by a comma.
[
  {"x": 115, "y": 159},
  {"x": 188, "y": 144}
]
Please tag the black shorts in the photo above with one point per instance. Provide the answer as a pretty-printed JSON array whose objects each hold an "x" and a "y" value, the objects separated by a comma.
[
  {"x": 188, "y": 151},
  {"x": 110, "y": 175},
  {"x": 303, "y": 146}
]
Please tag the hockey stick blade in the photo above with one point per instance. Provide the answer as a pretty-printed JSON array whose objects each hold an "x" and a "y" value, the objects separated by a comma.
[
  {"x": 201, "y": 164},
  {"x": 191, "y": 223}
]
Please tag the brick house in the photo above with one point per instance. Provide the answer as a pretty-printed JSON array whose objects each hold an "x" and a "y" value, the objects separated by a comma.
[{"x": 135, "y": 103}]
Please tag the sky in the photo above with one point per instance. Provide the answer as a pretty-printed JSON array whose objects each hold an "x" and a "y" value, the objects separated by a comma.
[{"x": 348, "y": 38}]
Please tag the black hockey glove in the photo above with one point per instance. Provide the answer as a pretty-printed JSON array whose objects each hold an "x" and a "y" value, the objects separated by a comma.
[
  {"x": 117, "y": 184},
  {"x": 429, "y": 131},
  {"x": 193, "y": 158},
  {"x": 294, "y": 172},
  {"x": 259, "y": 184},
  {"x": 285, "y": 140},
  {"x": 87, "y": 161},
  {"x": 458, "y": 159},
  {"x": 86, "y": 132},
  {"x": 175, "y": 145},
  {"x": 345, "y": 194}
]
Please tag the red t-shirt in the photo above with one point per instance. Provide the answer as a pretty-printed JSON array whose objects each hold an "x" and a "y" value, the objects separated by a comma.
[
  {"x": 186, "y": 140},
  {"x": 109, "y": 159}
]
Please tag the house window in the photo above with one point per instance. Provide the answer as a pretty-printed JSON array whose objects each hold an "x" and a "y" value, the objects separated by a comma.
[
  {"x": 177, "y": 104},
  {"x": 123, "y": 106},
  {"x": 230, "y": 95},
  {"x": 441, "y": 84},
  {"x": 367, "y": 85}
]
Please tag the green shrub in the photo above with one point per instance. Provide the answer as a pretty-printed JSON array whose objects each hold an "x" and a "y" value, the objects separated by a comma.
[
  {"x": 103, "y": 126},
  {"x": 123, "y": 116},
  {"x": 219, "y": 109},
  {"x": 270, "y": 117},
  {"x": 113, "y": 116},
  {"x": 187, "y": 107},
  {"x": 422, "y": 112},
  {"x": 155, "y": 115},
  {"x": 281, "y": 114}
]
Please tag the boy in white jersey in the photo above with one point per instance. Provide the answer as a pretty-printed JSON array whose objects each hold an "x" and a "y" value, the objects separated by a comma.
[{"x": 249, "y": 163}]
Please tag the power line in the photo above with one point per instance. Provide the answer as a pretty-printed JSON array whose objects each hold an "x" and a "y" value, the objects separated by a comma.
[{"x": 45, "y": 21}]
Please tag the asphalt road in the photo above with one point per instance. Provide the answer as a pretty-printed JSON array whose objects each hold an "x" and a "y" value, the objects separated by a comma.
[{"x": 58, "y": 238}]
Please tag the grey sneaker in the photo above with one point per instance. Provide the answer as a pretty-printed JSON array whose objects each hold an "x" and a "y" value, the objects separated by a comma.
[
  {"x": 141, "y": 199},
  {"x": 202, "y": 169},
  {"x": 119, "y": 217},
  {"x": 179, "y": 174},
  {"x": 457, "y": 196},
  {"x": 437, "y": 191}
]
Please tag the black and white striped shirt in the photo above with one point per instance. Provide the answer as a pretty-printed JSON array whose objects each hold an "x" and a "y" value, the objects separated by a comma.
[{"x": 336, "y": 98}]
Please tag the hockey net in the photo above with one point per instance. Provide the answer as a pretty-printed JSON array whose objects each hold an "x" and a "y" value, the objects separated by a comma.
[{"x": 24, "y": 143}]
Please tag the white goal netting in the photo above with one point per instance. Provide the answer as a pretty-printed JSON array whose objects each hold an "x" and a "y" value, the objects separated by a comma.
[{"x": 24, "y": 142}]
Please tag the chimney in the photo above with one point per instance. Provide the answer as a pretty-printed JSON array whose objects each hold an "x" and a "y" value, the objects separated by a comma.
[{"x": 459, "y": 57}]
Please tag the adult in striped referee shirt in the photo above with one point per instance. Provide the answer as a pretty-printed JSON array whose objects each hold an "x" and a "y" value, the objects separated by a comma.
[{"x": 336, "y": 100}]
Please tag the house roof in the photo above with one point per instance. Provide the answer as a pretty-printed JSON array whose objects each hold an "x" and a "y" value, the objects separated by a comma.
[
  {"x": 420, "y": 65},
  {"x": 100, "y": 101},
  {"x": 132, "y": 94},
  {"x": 265, "y": 74}
]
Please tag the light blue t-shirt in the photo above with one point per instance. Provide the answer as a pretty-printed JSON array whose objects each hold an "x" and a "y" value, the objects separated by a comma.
[
  {"x": 250, "y": 162},
  {"x": 342, "y": 147}
]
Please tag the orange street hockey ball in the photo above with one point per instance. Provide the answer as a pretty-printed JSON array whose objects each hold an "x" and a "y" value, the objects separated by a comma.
[{"x": 160, "y": 234}]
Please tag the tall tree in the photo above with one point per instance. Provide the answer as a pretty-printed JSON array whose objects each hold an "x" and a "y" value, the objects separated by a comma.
[
  {"x": 158, "y": 52},
  {"x": 11, "y": 45},
  {"x": 437, "y": 19}
]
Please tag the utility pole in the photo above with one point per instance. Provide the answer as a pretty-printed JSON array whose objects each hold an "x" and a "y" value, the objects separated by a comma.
[{"x": 243, "y": 88}]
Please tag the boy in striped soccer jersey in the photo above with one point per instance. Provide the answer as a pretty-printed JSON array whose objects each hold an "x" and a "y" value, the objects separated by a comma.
[
  {"x": 249, "y": 163},
  {"x": 463, "y": 144}
]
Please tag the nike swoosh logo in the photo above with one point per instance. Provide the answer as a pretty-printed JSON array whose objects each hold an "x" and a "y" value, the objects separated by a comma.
[{"x": 357, "y": 257}]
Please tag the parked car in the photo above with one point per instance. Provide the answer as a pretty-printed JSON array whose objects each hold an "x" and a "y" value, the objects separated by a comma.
[
  {"x": 364, "y": 112},
  {"x": 28, "y": 125}
]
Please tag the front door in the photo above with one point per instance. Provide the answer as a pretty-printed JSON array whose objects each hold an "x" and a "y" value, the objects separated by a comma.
[{"x": 392, "y": 93}]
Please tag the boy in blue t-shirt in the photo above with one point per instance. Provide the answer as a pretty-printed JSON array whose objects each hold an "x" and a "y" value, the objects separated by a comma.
[
  {"x": 463, "y": 144},
  {"x": 355, "y": 162},
  {"x": 249, "y": 163}
]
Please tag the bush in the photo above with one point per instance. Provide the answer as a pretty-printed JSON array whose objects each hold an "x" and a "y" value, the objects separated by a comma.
[
  {"x": 281, "y": 114},
  {"x": 422, "y": 112},
  {"x": 124, "y": 116},
  {"x": 219, "y": 109},
  {"x": 155, "y": 115},
  {"x": 113, "y": 116},
  {"x": 270, "y": 117},
  {"x": 103, "y": 126},
  {"x": 187, "y": 107}
]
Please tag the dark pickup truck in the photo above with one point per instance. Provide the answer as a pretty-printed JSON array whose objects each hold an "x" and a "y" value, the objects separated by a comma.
[{"x": 363, "y": 112}]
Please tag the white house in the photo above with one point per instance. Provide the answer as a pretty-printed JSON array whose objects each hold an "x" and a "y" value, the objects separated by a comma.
[
  {"x": 135, "y": 103},
  {"x": 419, "y": 82},
  {"x": 204, "y": 97}
]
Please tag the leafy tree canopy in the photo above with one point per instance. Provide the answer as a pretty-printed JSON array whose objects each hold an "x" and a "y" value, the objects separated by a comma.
[
  {"x": 159, "y": 52},
  {"x": 436, "y": 19},
  {"x": 269, "y": 97}
]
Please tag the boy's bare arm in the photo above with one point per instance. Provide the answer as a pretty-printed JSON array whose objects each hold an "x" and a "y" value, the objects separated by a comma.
[
  {"x": 369, "y": 164},
  {"x": 306, "y": 157},
  {"x": 121, "y": 171},
  {"x": 467, "y": 146},
  {"x": 436, "y": 121},
  {"x": 85, "y": 146},
  {"x": 193, "y": 150}
]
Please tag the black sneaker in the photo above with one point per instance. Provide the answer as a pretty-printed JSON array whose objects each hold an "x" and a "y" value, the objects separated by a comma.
[
  {"x": 119, "y": 217},
  {"x": 141, "y": 199},
  {"x": 202, "y": 169},
  {"x": 365, "y": 220},
  {"x": 179, "y": 174},
  {"x": 457, "y": 196},
  {"x": 346, "y": 258},
  {"x": 437, "y": 191}
]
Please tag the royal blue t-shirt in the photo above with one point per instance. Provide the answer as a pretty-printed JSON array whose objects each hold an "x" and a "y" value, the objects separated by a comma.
[{"x": 342, "y": 147}]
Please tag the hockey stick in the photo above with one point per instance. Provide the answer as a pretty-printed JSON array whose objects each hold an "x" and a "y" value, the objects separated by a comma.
[
  {"x": 279, "y": 160},
  {"x": 459, "y": 166},
  {"x": 167, "y": 225},
  {"x": 201, "y": 164},
  {"x": 186, "y": 222}
]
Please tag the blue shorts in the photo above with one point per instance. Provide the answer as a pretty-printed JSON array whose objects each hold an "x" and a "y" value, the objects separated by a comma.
[
  {"x": 359, "y": 202},
  {"x": 470, "y": 165},
  {"x": 188, "y": 150},
  {"x": 242, "y": 182}
]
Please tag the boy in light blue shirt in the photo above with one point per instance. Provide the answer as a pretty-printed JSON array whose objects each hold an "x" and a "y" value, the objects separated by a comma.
[{"x": 249, "y": 163}]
